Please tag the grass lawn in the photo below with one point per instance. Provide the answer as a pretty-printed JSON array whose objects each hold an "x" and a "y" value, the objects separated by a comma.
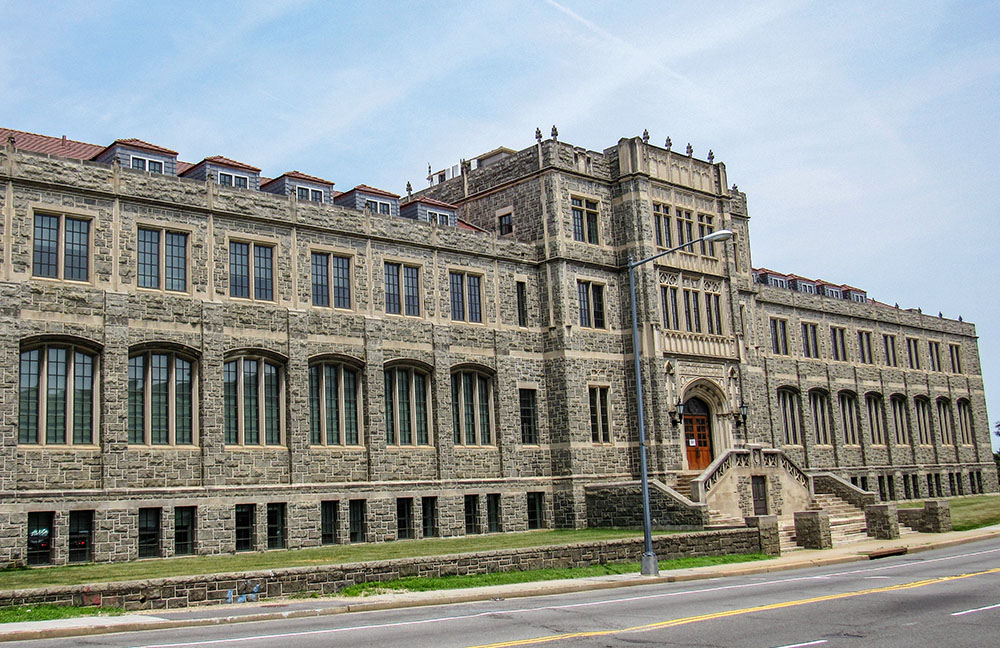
[
  {"x": 969, "y": 512},
  {"x": 46, "y": 612},
  {"x": 417, "y": 584},
  {"x": 331, "y": 554}
]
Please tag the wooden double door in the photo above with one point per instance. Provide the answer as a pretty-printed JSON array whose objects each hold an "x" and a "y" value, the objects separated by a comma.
[{"x": 698, "y": 441}]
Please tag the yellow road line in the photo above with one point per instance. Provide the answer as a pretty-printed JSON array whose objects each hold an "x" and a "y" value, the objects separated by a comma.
[{"x": 728, "y": 613}]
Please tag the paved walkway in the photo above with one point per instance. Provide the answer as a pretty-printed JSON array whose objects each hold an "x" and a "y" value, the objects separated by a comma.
[{"x": 291, "y": 608}]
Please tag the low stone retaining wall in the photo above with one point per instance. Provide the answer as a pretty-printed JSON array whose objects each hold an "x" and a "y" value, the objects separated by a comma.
[
  {"x": 934, "y": 517},
  {"x": 620, "y": 505},
  {"x": 216, "y": 589}
]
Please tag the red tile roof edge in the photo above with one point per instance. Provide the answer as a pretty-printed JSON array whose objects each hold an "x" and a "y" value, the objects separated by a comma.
[
  {"x": 430, "y": 201},
  {"x": 60, "y": 146},
  {"x": 363, "y": 188},
  {"x": 298, "y": 175}
]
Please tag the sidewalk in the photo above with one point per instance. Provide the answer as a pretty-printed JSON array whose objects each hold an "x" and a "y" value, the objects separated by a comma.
[{"x": 293, "y": 608}]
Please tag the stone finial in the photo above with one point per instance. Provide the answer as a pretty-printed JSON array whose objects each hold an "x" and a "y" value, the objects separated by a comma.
[
  {"x": 939, "y": 314},
  {"x": 897, "y": 305},
  {"x": 690, "y": 150},
  {"x": 645, "y": 136},
  {"x": 959, "y": 318},
  {"x": 429, "y": 172},
  {"x": 711, "y": 156},
  {"x": 538, "y": 135},
  {"x": 11, "y": 141},
  {"x": 668, "y": 143},
  {"x": 735, "y": 188},
  {"x": 409, "y": 189},
  {"x": 555, "y": 132}
]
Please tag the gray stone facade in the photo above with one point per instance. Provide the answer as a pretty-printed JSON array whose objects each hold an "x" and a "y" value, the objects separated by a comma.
[{"x": 572, "y": 350}]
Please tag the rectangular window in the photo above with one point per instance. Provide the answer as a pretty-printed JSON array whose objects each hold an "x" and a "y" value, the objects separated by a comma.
[
  {"x": 849, "y": 418},
  {"x": 276, "y": 529},
  {"x": 316, "y": 195},
  {"x": 934, "y": 353},
  {"x": 585, "y": 226},
  {"x": 810, "y": 343},
  {"x": 788, "y": 403},
  {"x": 876, "y": 419},
  {"x": 329, "y": 512},
  {"x": 505, "y": 224},
  {"x": 149, "y": 532},
  {"x": 71, "y": 260},
  {"x": 428, "y": 511},
  {"x": 356, "y": 520},
  {"x": 900, "y": 420},
  {"x": 923, "y": 410},
  {"x": 145, "y": 164},
  {"x": 821, "y": 421},
  {"x": 185, "y": 528},
  {"x": 529, "y": 416},
  {"x": 685, "y": 228},
  {"x": 713, "y": 314},
  {"x": 779, "y": 336},
  {"x": 865, "y": 347},
  {"x": 913, "y": 353},
  {"x": 944, "y": 422},
  {"x": 472, "y": 514},
  {"x": 692, "y": 311},
  {"x": 889, "y": 344},
  {"x": 661, "y": 225},
  {"x": 536, "y": 510},
  {"x": 81, "y": 536},
  {"x": 591, "y": 298},
  {"x": 245, "y": 523},
  {"x": 408, "y": 300},
  {"x": 41, "y": 534},
  {"x": 466, "y": 297},
  {"x": 965, "y": 422},
  {"x": 378, "y": 207},
  {"x": 955, "y": 352},
  {"x": 302, "y": 193},
  {"x": 522, "y": 303},
  {"x": 493, "y": 516},
  {"x": 162, "y": 259},
  {"x": 331, "y": 280},
  {"x": 246, "y": 278},
  {"x": 404, "y": 518},
  {"x": 668, "y": 304},
  {"x": 838, "y": 344},
  {"x": 704, "y": 229},
  {"x": 600, "y": 416}
]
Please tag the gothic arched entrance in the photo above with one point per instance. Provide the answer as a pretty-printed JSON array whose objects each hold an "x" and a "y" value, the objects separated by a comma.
[{"x": 697, "y": 434}]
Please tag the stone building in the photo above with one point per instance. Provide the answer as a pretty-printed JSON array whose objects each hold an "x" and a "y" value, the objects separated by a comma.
[{"x": 199, "y": 359}]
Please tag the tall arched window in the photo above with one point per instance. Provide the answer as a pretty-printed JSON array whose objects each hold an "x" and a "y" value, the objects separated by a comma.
[
  {"x": 406, "y": 407},
  {"x": 161, "y": 398},
  {"x": 923, "y": 411},
  {"x": 849, "y": 418},
  {"x": 900, "y": 419},
  {"x": 964, "y": 422},
  {"x": 876, "y": 418},
  {"x": 819, "y": 403},
  {"x": 944, "y": 421},
  {"x": 791, "y": 422},
  {"x": 334, "y": 395},
  {"x": 252, "y": 410},
  {"x": 472, "y": 407},
  {"x": 57, "y": 391}
]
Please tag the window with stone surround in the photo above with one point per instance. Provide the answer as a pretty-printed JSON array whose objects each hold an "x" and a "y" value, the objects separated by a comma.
[
  {"x": 955, "y": 352},
  {"x": 536, "y": 510},
  {"x": 253, "y": 411},
  {"x": 913, "y": 352},
  {"x": 585, "y": 224},
  {"x": 505, "y": 223},
  {"x": 661, "y": 225},
  {"x": 528, "y": 405},
  {"x": 900, "y": 419},
  {"x": 185, "y": 530},
  {"x": 705, "y": 228},
  {"x": 57, "y": 389},
  {"x": 600, "y": 413},
  {"x": 245, "y": 526},
  {"x": 923, "y": 414},
  {"x": 149, "y": 532},
  {"x": 466, "y": 296},
  {"x": 521, "y": 288},
  {"x": 251, "y": 270},
  {"x": 162, "y": 259},
  {"x": 685, "y": 228},
  {"x": 810, "y": 341},
  {"x": 402, "y": 289},
  {"x": 779, "y": 336},
  {"x": 407, "y": 410},
  {"x": 934, "y": 355},
  {"x": 162, "y": 398},
  {"x": 838, "y": 343},
  {"x": 41, "y": 535},
  {"x": 277, "y": 529},
  {"x": 472, "y": 407},
  {"x": 819, "y": 402},
  {"x": 945, "y": 424},
  {"x": 61, "y": 247},
  {"x": 789, "y": 408},
  {"x": 964, "y": 422},
  {"x": 334, "y": 398},
  {"x": 590, "y": 296},
  {"x": 876, "y": 418},
  {"x": 865, "y": 347},
  {"x": 331, "y": 279},
  {"x": 850, "y": 421},
  {"x": 713, "y": 313},
  {"x": 329, "y": 527},
  {"x": 668, "y": 306},
  {"x": 692, "y": 311},
  {"x": 889, "y": 346}
]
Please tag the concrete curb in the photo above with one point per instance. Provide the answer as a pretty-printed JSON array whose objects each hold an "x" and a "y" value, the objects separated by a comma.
[{"x": 540, "y": 588}]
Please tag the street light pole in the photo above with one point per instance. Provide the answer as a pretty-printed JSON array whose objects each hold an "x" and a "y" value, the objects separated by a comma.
[{"x": 650, "y": 565}]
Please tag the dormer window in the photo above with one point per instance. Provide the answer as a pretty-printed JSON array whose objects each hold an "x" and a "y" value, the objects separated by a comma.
[
  {"x": 305, "y": 193},
  {"x": 833, "y": 292},
  {"x": 377, "y": 206},
  {"x": 859, "y": 297},
  {"x": 145, "y": 164},
  {"x": 233, "y": 180},
  {"x": 807, "y": 288}
]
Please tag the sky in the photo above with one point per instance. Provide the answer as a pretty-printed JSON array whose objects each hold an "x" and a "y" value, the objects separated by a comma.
[{"x": 862, "y": 132}]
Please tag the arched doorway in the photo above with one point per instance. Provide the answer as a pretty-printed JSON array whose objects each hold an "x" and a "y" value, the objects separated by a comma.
[{"x": 697, "y": 434}]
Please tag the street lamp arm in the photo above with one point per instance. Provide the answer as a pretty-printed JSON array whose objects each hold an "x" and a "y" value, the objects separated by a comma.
[{"x": 721, "y": 235}]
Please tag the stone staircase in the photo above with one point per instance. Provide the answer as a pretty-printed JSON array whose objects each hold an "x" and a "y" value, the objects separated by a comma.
[
  {"x": 847, "y": 523},
  {"x": 716, "y": 519}
]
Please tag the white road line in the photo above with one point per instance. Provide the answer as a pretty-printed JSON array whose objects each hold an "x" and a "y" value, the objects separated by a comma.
[
  {"x": 567, "y": 606},
  {"x": 988, "y": 607},
  {"x": 802, "y": 645}
]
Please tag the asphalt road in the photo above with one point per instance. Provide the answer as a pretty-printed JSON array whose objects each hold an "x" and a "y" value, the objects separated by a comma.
[{"x": 948, "y": 598}]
